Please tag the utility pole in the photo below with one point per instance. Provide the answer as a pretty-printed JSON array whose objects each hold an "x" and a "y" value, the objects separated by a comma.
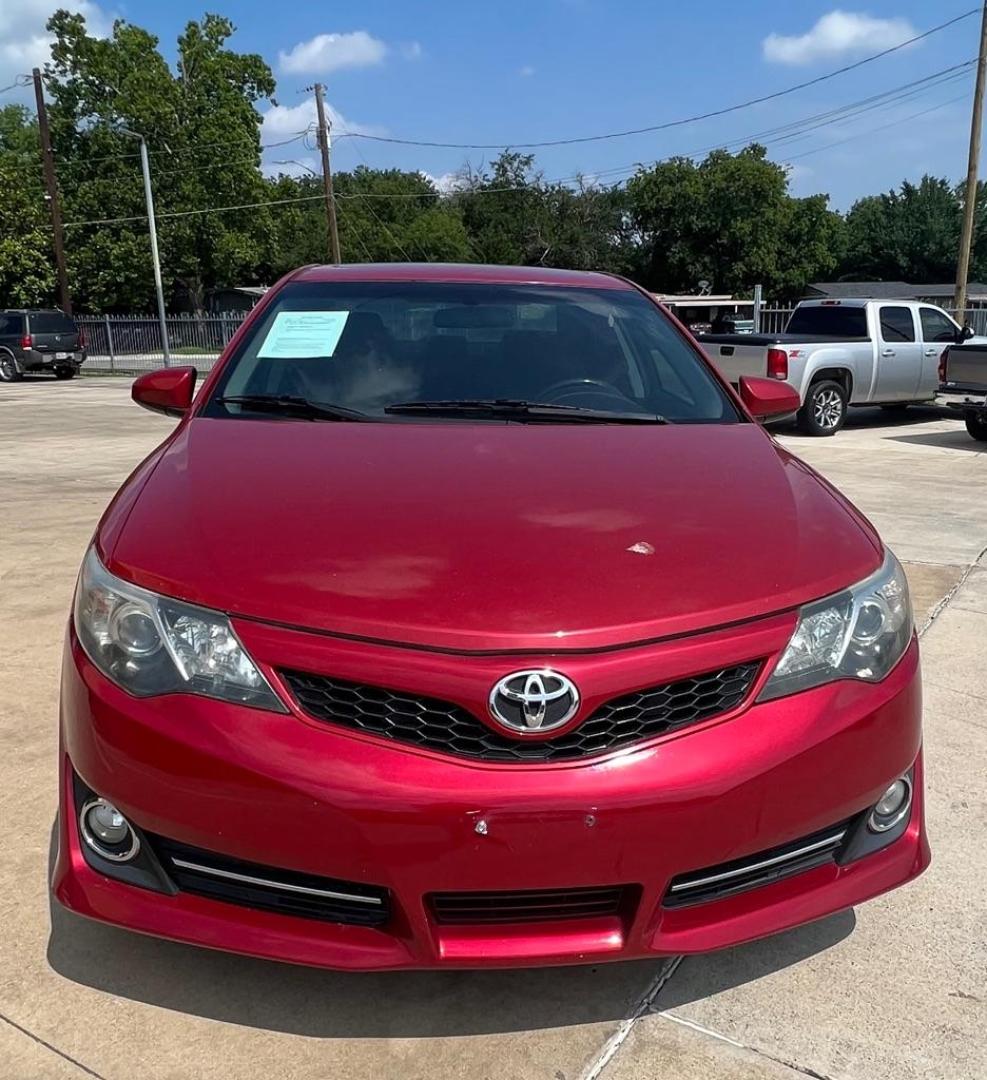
[
  {"x": 51, "y": 186},
  {"x": 970, "y": 201},
  {"x": 327, "y": 174},
  {"x": 152, "y": 229}
]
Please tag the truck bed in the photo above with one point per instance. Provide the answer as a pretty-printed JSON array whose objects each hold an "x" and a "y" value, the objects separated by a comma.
[
  {"x": 966, "y": 367},
  {"x": 767, "y": 340},
  {"x": 737, "y": 355}
]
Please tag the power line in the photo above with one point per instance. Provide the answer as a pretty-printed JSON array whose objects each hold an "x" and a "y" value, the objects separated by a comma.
[
  {"x": 358, "y": 237},
  {"x": 797, "y": 129},
  {"x": 669, "y": 123},
  {"x": 883, "y": 127},
  {"x": 20, "y": 81},
  {"x": 191, "y": 213},
  {"x": 185, "y": 150},
  {"x": 786, "y": 132}
]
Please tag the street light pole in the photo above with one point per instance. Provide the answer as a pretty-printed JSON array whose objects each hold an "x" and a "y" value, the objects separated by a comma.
[{"x": 149, "y": 200}]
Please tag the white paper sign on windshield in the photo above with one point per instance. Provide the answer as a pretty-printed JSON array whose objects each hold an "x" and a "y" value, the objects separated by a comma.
[{"x": 303, "y": 335}]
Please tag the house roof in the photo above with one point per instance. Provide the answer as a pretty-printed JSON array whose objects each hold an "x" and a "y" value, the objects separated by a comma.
[{"x": 891, "y": 290}]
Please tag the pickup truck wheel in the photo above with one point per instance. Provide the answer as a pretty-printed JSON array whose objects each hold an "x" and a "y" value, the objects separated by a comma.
[
  {"x": 824, "y": 410},
  {"x": 976, "y": 424}
]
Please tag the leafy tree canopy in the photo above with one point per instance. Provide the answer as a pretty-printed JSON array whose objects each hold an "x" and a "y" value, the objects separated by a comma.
[{"x": 729, "y": 219}]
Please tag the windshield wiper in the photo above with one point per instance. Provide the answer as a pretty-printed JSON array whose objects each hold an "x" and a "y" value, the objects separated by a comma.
[
  {"x": 511, "y": 409},
  {"x": 290, "y": 405}
]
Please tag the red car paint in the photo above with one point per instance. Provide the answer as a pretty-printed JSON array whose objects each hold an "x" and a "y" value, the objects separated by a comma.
[{"x": 433, "y": 559}]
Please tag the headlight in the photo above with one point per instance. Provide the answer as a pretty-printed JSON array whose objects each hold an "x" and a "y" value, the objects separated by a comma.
[
  {"x": 858, "y": 634},
  {"x": 151, "y": 644}
]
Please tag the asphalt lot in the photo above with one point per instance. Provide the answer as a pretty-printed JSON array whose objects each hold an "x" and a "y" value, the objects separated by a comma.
[{"x": 896, "y": 988}]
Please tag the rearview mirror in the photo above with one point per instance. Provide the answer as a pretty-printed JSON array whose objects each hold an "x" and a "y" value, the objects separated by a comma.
[
  {"x": 167, "y": 391},
  {"x": 475, "y": 317},
  {"x": 966, "y": 332},
  {"x": 768, "y": 399}
]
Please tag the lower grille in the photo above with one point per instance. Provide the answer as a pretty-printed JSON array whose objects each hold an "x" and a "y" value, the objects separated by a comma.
[
  {"x": 539, "y": 905},
  {"x": 267, "y": 888},
  {"x": 753, "y": 871},
  {"x": 441, "y": 725}
]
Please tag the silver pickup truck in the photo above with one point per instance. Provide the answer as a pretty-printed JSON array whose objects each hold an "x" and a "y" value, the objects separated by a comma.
[{"x": 838, "y": 353}]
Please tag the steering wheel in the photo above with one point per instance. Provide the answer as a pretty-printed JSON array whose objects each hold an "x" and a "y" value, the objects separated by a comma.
[{"x": 583, "y": 387}]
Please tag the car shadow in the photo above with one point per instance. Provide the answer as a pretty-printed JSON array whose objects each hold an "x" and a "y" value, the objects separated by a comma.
[
  {"x": 333, "y": 1005},
  {"x": 860, "y": 418},
  {"x": 957, "y": 439}
]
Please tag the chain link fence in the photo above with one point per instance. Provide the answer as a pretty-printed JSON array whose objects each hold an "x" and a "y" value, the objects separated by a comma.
[{"x": 132, "y": 343}]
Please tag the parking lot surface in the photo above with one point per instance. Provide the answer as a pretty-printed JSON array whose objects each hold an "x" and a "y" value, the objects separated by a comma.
[{"x": 896, "y": 988}]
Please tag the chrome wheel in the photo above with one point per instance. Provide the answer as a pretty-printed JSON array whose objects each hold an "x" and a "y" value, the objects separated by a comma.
[
  {"x": 8, "y": 369},
  {"x": 827, "y": 409}
]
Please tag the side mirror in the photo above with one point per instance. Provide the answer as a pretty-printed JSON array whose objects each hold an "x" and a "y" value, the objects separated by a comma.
[
  {"x": 965, "y": 333},
  {"x": 167, "y": 391},
  {"x": 768, "y": 399}
]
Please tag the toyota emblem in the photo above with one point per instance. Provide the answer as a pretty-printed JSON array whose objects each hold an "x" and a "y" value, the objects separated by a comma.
[{"x": 531, "y": 702}]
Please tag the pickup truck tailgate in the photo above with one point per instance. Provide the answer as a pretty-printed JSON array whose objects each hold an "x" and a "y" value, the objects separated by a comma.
[
  {"x": 736, "y": 360},
  {"x": 966, "y": 366},
  {"x": 743, "y": 354}
]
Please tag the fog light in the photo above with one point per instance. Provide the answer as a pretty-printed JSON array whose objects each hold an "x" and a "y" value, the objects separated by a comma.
[
  {"x": 892, "y": 806},
  {"x": 107, "y": 831}
]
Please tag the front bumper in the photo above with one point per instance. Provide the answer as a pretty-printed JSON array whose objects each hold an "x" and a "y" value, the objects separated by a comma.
[{"x": 285, "y": 791}]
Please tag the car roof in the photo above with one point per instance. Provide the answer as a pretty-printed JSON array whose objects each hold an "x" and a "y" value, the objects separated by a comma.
[{"x": 462, "y": 273}]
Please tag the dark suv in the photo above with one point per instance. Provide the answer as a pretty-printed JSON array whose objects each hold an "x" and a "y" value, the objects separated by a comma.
[{"x": 41, "y": 340}]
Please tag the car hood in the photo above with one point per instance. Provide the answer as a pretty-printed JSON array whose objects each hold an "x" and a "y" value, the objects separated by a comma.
[{"x": 486, "y": 536}]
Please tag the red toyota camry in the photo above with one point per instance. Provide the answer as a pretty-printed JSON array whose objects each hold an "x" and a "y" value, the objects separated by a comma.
[{"x": 468, "y": 618}]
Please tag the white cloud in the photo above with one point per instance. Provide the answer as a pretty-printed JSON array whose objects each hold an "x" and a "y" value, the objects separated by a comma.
[
  {"x": 526, "y": 72},
  {"x": 446, "y": 183},
  {"x": 284, "y": 121},
  {"x": 840, "y": 33},
  {"x": 24, "y": 42},
  {"x": 332, "y": 52}
]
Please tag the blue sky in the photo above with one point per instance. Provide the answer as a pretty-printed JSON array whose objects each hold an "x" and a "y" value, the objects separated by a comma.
[{"x": 522, "y": 72}]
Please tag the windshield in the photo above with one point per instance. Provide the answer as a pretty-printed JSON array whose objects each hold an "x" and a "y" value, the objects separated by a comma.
[
  {"x": 834, "y": 321},
  {"x": 368, "y": 346}
]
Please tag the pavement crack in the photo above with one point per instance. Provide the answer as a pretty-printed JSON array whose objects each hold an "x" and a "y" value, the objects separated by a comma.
[
  {"x": 642, "y": 1006},
  {"x": 802, "y": 1070},
  {"x": 947, "y": 599},
  {"x": 54, "y": 1049}
]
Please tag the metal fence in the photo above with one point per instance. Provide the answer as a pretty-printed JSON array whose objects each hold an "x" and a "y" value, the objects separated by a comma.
[
  {"x": 132, "y": 343},
  {"x": 774, "y": 319}
]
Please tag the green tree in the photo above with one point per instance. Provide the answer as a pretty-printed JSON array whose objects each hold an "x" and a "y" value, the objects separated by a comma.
[
  {"x": 513, "y": 216},
  {"x": 911, "y": 234},
  {"x": 203, "y": 132},
  {"x": 728, "y": 220},
  {"x": 384, "y": 215},
  {"x": 27, "y": 274}
]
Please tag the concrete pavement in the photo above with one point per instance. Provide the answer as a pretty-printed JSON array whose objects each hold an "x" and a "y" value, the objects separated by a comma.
[{"x": 896, "y": 988}]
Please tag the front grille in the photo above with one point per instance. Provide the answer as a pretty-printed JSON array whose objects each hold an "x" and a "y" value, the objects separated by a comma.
[
  {"x": 268, "y": 888},
  {"x": 753, "y": 871},
  {"x": 540, "y": 905},
  {"x": 440, "y": 725}
]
